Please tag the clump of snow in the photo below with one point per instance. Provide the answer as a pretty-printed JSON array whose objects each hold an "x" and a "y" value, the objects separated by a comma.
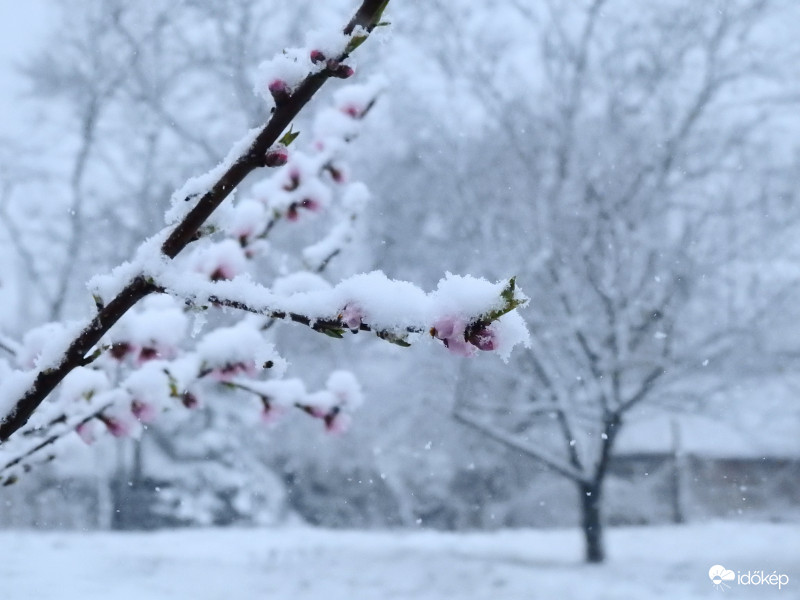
[
  {"x": 288, "y": 68},
  {"x": 220, "y": 260},
  {"x": 13, "y": 385},
  {"x": 345, "y": 387},
  {"x": 227, "y": 347},
  {"x": 298, "y": 282},
  {"x": 43, "y": 347},
  {"x": 156, "y": 330},
  {"x": 82, "y": 383},
  {"x": 185, "y": 198}
]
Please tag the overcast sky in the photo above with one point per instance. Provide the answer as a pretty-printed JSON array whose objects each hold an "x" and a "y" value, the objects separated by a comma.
[{"x": 22, "y": 26}]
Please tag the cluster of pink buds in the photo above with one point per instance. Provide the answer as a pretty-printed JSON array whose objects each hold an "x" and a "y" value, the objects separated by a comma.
[
  {"x": 333, "y": 66},
  {"x": 336, "y": 421},
  {"x": 293, "y": 212},
  {"x": 140, "y": 354},
  {"x": 227, "y": 372}
]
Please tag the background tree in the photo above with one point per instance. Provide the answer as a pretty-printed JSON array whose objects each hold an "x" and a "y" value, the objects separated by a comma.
[{"x": 633, "y": 157}]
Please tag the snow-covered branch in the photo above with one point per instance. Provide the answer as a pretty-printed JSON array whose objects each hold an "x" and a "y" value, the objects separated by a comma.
[
  {"x": 291, "y": 82},
  {"x": 135, "y": 360}
]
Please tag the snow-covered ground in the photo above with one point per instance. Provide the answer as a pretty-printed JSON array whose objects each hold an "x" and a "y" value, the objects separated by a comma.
[{"x": 297, "y": 563}]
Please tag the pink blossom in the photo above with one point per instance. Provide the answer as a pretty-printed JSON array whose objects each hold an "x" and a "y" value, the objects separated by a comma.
[
  {"x": 118, "y": 427},
  {"x": 337, "y": 173},
  {"x": 337, "y": 421},
  {"x": 317, "y": 56},
  {"x": 459, "y": 347},
  {"x": 451, "y": 331},
  {"x": 153, "y": 352},
  {"x": 280, "y": 90},
  {"x": 294, "y": 180},
  {"x": 143, "y": 411},
  {"x": 223, "y": 272},
  {"x": 352, "y": 110},
  {"x": 119, "y": 350},
  {"x": 231, "y": 370},
  {"x": 271, "y": 413},
  {"x": 352, "y": 316},
  {"x": 189, "y": 400},
  {"x": 311, "y": 204},
  {"x": 339, "y": 70},
  {"x": 448, "y": 327},
  {"x": 483, "y": 338},
  {"x": 317, "y": 411},
  {"x": 87, "y": 432},
  {"x": 277, "y": 156}
]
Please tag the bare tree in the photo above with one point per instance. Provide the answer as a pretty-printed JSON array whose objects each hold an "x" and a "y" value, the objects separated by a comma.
[{"x": 622, "y": 144}]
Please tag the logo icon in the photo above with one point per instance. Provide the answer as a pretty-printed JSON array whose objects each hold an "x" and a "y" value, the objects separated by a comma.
[{"x": 719, "y": 575}]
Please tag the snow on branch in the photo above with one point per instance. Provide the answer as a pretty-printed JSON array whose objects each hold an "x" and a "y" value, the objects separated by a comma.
[{"x": 467, "y": 314}]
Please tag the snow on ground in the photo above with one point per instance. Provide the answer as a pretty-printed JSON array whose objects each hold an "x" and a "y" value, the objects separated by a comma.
[{"x": 299, "y": 563}]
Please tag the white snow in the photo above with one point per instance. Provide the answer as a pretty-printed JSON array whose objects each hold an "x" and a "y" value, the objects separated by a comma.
[{"x": 300, "y": 563}]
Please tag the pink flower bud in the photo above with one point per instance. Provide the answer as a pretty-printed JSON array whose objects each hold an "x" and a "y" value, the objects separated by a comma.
[
  {"x": 447, "y": 327},
  {"x": 143, "y": 411},
  {"x": 279, "y": 90},
  {"x": 120, "y": 350},
  {"x": 483, "y": 338},
  {"x": 459, "y": 347},
  {"x": 189, "y": 400},
  {"x": 343, "y": 72},
  {"x": 352, "y": 316},
  {"x": 336, "y": 421},
  {"x": 294, "y": 180},
  {"x": 317, "y": 56},
  {"x": 336, "y": 173},
  {"x": 232, "y": 370},
  {"x": 271, "y": 413},
  {"x": 147, "y": 353},
  {"x": 116, "y": 426},
  {"x": 292, "y": 213},
  {"x": 352, "y": 110},
  {"x": 87, "y": 432},
  {"x": 277, "y": 156},
  {"x": 221, "y": 273},
  {"x": 310, "y": 204},
  {"x": 451, "y": 331}
]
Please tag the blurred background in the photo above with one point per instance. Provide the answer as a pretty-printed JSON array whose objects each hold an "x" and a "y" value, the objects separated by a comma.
[{"x": 634, "y": 164}]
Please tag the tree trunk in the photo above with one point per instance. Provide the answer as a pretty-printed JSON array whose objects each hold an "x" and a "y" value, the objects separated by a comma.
[{"x": 591, "y": 522}]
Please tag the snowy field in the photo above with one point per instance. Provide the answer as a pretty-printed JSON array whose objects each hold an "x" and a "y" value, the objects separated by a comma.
[{"x": 302, "y": 563}]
